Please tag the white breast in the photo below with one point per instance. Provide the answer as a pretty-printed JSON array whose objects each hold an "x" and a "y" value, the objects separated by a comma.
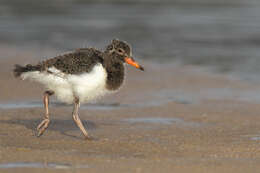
[{"x": 89, "y": 86}]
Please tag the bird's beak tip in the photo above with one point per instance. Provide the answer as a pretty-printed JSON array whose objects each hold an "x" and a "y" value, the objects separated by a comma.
[{"x": 131, "y": 61}]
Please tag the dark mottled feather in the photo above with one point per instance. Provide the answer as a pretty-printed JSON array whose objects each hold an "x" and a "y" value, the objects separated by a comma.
[
  {"x": 18, "y": 69},
  {"x": 115, "y": 74},
  {"x": 80, "y": 61}
]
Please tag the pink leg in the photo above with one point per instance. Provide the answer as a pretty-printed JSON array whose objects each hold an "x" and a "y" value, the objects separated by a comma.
[
  {"x": 76, "y": 119},
  {"x": 46, "y": 120}
]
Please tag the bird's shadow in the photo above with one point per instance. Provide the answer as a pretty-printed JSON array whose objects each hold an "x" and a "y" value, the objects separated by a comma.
[{"x": 62, "y": 126}]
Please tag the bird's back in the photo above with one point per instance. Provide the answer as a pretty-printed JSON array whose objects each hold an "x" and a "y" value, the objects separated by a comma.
[{"x": 80, "y": 61}]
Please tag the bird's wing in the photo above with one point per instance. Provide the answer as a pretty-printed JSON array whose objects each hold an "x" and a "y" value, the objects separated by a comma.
[{"x": 77, "y": 62}]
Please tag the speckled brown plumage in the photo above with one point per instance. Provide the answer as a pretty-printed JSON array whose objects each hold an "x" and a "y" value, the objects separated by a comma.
[
  {"x": 115, "y": 73},
  {"x": 79, "y": 61}
]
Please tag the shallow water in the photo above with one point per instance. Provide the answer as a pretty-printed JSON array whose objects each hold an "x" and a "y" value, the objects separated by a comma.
[
  {"x": 38, "y": 165},
  {"x": 161, "y": 121},
  {"x": 94, "y": 106},
  {"x": 255, "y": 138},
  {"x": 35, "y": 104},
  {"x": 159, "y": 98},
  {"x": 153, "y": 120},
  {"x": 107, "y": 106},
  {"x": 252, "y": 137},
  {"x": 221, "y": 35}
]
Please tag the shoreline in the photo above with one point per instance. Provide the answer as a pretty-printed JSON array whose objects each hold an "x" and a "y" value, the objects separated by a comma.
[{"x": 169, "y": 118}]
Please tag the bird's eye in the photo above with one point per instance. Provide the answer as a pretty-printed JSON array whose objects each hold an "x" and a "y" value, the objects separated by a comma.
[{"x": 120, "y": 51}]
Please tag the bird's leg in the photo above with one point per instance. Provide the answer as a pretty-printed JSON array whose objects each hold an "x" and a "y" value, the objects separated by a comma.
[
  {"x": 76, "y": 119},
  {"x": 46, "y": 120}
]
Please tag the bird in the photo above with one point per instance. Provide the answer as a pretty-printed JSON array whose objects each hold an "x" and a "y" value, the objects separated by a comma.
[{"x": 79, "y": 76}]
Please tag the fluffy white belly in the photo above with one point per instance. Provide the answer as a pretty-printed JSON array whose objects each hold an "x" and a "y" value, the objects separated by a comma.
[
  {"x": 89, "y": 86},
  {"x": 86, "y": 86}
]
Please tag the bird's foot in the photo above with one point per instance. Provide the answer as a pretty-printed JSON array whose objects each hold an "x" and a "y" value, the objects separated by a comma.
[
  {"x": 42, "y": 127},
  {"x": 89, "y": 138}
]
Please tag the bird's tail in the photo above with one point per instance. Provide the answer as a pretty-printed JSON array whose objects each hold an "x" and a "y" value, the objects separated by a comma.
[{"x": 19, "y": 70}]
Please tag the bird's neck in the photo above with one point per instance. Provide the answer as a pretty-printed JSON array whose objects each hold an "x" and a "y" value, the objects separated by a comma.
[{"x": 115, "y": 73}]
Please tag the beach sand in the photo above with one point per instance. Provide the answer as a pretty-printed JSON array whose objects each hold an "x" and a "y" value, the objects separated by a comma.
[{"x": 170, "y": 118}]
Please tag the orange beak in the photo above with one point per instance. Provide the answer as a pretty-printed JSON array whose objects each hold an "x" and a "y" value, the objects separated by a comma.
[{"x": 132, "y": 62}]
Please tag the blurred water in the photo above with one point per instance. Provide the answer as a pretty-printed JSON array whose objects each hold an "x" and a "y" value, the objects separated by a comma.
[
  {"x": 224, "y": 35},
  {"x": 161, "y": 121},
  {"x": 13, "y": 165}
]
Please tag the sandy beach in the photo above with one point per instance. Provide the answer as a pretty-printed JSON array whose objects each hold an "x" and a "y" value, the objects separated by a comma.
[{"x": 170, "y": 118}]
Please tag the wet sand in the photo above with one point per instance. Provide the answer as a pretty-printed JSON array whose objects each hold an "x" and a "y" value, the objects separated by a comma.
[{"x": 170, "y": 118}]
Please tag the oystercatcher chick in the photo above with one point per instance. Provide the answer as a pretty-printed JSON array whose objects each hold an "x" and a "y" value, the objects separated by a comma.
[{"x": 79, "y": 77}]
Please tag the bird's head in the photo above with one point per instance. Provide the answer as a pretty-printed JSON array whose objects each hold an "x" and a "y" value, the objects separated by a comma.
[{"x": 122, "y": 52}]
